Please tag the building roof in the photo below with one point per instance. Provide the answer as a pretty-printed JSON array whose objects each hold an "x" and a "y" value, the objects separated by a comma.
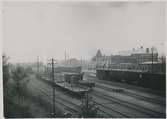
[
  {"x": 124, "y": 70},
  {"x": 150, "y": 62}
]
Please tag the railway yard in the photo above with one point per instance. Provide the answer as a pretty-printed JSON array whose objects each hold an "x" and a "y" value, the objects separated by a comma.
[
  {"x": 112, "y": 99},
  {"x": 83, "y": 59}
]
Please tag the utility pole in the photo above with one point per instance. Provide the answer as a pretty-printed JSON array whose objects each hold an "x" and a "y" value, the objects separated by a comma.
[
  {"x": 53, "y": 81},
  {"x": 37, "y": 65},
  {"x": 87, "y": 100},
  {"x": 163, "y": 64},
  {"x": 152, "y": 59},
  {"x": 87, "y": 103},
  {"x": 65, "y": 57},
  {"x": 81, "y": 61}
]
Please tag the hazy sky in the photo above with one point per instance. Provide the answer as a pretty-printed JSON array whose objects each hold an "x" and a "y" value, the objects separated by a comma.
[{"x": 46, "y": 29}]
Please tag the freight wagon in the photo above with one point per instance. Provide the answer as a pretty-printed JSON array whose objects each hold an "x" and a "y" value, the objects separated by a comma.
[
  {"x": 135, "y": 77},
  {"x": 69, "y": 79}
]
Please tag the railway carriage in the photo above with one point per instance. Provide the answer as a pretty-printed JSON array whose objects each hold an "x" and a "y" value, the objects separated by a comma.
[{"x": 154, "y": 81}]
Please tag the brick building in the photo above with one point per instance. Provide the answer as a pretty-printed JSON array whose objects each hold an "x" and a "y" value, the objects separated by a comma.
[{"x": 136, "y": 60}]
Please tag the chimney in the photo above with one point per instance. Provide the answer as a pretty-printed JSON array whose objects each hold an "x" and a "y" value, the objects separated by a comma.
[{"x": 147, "y": 50}]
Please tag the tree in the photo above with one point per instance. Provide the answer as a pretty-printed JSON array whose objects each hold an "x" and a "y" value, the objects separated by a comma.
[
  {"x": 29, "y": 70},
  {"x": 18, "y": 75},
  {"x": 6, "y": 74},
  {"x": 89, "y": 108}
]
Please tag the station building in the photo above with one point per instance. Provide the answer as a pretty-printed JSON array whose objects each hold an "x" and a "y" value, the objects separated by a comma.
[{"x": 144, "y": 60}]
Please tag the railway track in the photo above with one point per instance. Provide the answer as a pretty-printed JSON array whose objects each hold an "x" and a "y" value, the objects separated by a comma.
[
  {"x": 127, "y": 86},
  {"x": 108, "y": 114},
  {"x": 59, "y": 100},
  {"x": 131, "y": 106},
  {"x": 108, "y": 111},
  {"x": 64, "y": 102},
  {"x": 112, "y": 111},
  {"x": 157, "y": 100},
  {"x": 141, "y": 97},
  {"x": 120, "y": 112}
]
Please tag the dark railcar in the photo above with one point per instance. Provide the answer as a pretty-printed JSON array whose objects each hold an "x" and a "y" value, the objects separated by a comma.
[
  {"x": 136, "y": 77},
  {"x": 68, "y": 69},
  {"x": 86, "y": 83}
]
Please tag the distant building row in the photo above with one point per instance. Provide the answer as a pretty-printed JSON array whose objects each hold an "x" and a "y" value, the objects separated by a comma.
[{"x": 136, "y": 60}]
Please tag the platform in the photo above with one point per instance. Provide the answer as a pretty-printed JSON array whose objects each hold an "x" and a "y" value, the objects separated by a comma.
[{"x": 71, "y": 88}]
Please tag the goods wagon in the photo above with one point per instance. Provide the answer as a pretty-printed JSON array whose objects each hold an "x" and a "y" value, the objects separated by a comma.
[
  {"x": 68, "y": 69},
  {"x": 136, "y": 77}
]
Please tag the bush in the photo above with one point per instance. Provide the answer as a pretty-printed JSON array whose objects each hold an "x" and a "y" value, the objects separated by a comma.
[{"x": 88, "y": 108}]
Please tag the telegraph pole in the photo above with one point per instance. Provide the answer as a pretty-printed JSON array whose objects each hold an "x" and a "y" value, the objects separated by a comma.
[
  {"x": 87, "y": 103},
  {"x": 65, "y": 57},
  {"x": 53, "y": 80},
  {"x": 81, "y": 61},
  {"x": 37, "y": 65},
  {"x": 152, "y": 59}
]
